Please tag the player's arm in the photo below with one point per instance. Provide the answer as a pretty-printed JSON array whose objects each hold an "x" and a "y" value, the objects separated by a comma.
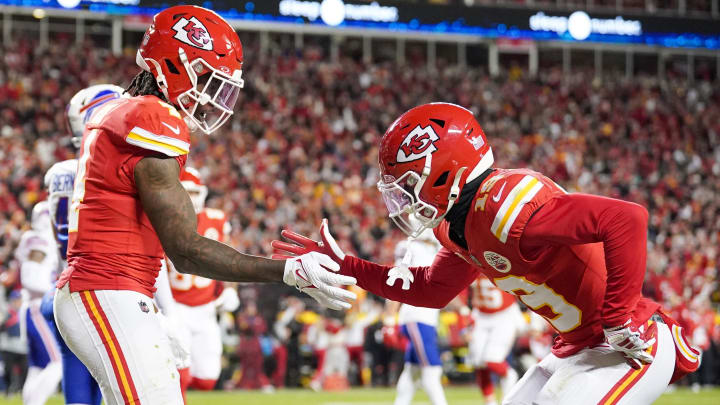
[
  {"x": 622, "y": 228},
  {"x": 170, "y": 211},
  {"x": 431, "y": 286}
]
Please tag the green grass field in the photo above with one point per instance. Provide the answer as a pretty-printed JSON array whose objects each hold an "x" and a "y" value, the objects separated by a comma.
[{"x": 378, "y": 396}]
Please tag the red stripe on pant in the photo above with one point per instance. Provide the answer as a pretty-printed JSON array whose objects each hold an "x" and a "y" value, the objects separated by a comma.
[
  {"x": 616, "y": 393},
  {"x": 99, "y": 319}
]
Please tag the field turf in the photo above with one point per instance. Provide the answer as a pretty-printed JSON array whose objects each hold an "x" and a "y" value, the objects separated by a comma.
[{"x": 377, "y": 396}]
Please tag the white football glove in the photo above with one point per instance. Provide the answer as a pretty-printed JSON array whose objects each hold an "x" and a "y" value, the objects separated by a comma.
[
  {"x": 179, "y": 343},
  {"x": 228, "y": 301},
  {"x": 629, "y": 341},
  {"x": 310, "y": 273}
]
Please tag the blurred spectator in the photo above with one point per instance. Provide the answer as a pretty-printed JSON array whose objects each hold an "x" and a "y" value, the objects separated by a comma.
[{"x": 13, "y": 348}]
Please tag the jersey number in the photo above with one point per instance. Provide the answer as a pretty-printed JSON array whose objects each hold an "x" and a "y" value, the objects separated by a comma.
[
  {"x": 184, "y": 282},
  {"x": 542, "y": 299},
  {"x": 489, "y": 296}
]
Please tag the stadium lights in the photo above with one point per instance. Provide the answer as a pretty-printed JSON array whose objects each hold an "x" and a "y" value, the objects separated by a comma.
[{"x": 38, "y": 13}]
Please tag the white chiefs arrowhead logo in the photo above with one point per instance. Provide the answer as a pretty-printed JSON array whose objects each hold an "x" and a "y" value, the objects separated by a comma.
[
  {"x": 497, "y": 261},
  {"x": 419, "y": 143},
  {"x": 193, "y": 33}
]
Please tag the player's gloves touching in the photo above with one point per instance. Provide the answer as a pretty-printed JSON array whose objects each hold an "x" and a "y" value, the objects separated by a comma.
[
  {"x": 302, "y": 245},
  {"x": 313, "y": 274},
  {"x": 628, "y": 340}
]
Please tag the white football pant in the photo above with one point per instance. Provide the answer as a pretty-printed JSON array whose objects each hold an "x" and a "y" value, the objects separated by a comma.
[
  {"x": 428, "y": 377},
  {"x": 597, "y": 375},
  {"x": 201, "y": 326},
  {"x": 493, "y": 336},
  {"x": 117, "y": 335}
]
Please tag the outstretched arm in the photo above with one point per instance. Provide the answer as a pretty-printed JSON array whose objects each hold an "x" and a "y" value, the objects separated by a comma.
[
  {"x": 622, "y": 228},
  {"x": 171, "y": 213},
  {"x": 430, "y": 286}
]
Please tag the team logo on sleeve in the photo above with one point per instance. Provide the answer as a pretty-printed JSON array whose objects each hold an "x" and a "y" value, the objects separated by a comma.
[
  {"x": 419, "y": 143},
  {"x": 497, "y": 261},
  {"x": 193, "y": 33}
]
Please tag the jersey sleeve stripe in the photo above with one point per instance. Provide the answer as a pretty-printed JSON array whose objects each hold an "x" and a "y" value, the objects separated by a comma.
[
  {"x": 160, "y": 143},
  {"x": 523, "y": 192}
]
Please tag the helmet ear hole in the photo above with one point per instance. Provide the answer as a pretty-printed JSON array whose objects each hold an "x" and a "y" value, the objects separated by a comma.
[
  {"x": 171, "y": 67},
  {"x": 442, "y": 179}
]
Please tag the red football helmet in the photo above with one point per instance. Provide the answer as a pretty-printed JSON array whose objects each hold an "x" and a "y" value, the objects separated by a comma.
[
  {"x": 192, "y": 182},
  {"x": 196, "y": 59},
  {"x": 426, "y": 157}
]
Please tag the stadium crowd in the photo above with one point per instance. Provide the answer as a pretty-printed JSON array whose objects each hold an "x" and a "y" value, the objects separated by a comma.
[{"x": 303, "y": 146}]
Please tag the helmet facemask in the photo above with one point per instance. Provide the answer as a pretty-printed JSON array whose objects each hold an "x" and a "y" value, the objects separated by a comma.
[
  {"x": 406, "y": 209},
  {"x": 209, "y": 103}
]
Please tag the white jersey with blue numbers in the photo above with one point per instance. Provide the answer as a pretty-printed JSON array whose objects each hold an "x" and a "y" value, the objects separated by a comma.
[
  {"x": 422, "y": 251},
  {"x": 59, "y": 181}
]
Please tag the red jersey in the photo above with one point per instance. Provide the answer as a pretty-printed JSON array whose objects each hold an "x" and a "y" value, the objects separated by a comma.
[
  {"x": 192, "y": 290},
  {"x": 112, "y": 244},
  {"x": 578, "y": 260},
  {"x": 487, "y": 298}
]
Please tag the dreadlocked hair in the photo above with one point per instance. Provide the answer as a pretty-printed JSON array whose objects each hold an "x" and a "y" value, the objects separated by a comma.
[{"x": 144, "y": 84}]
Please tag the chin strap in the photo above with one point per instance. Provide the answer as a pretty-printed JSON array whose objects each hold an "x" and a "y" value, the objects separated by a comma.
[
  {"x": 452, "y": 197},
  {"x": 455, "y": 189}
]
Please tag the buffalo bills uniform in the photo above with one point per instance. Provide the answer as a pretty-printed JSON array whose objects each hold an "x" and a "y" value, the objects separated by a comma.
[
  {"x": 419, "y": 325},
  {"x": 38, "y": 263},
  {"x": 104, "y": 296},
  {"x": 539, "y": 243},
  {"x": 79, "y": 387},
  {"x": 195, "y": 297}
]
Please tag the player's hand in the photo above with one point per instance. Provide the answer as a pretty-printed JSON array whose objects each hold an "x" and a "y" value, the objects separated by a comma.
[
  {"x": 228, "y": 301},
  {"x": 313, "y": 274},
  {"x": 628, "y": 340},
  {"x": 301, "y": 245}
]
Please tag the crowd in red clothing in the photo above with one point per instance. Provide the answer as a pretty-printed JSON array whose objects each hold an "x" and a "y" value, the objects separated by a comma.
[{"x": 303, "y": 146}]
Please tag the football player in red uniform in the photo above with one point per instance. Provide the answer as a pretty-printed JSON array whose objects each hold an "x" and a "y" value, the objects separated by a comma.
[
  {"x": 129, "y": 209},
  {"x": 576, "y": 259},
  {"x": 198, "y": 298},
  {"x": 496, "y": 319}
]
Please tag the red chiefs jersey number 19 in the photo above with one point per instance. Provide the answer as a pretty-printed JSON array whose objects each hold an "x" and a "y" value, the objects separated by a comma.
[{"x": 192, "y": 290}]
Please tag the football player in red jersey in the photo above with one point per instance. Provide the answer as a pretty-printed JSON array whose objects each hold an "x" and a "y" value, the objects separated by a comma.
[
  {"x": 496, "y": 318},
  {"x": 199, "y": 298},
  {"x": 576, "y": 259},
  {"x": 129, "y": 209}
]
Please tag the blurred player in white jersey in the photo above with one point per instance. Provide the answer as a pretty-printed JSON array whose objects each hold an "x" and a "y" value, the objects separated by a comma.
[
  {"x": 79, "y": 387},
  {"x": 38, "y": 269},
  {"x": 496, "y": 318},
  {"x": 198, "y": 298},
  {"x": 419, "y": 325}
]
